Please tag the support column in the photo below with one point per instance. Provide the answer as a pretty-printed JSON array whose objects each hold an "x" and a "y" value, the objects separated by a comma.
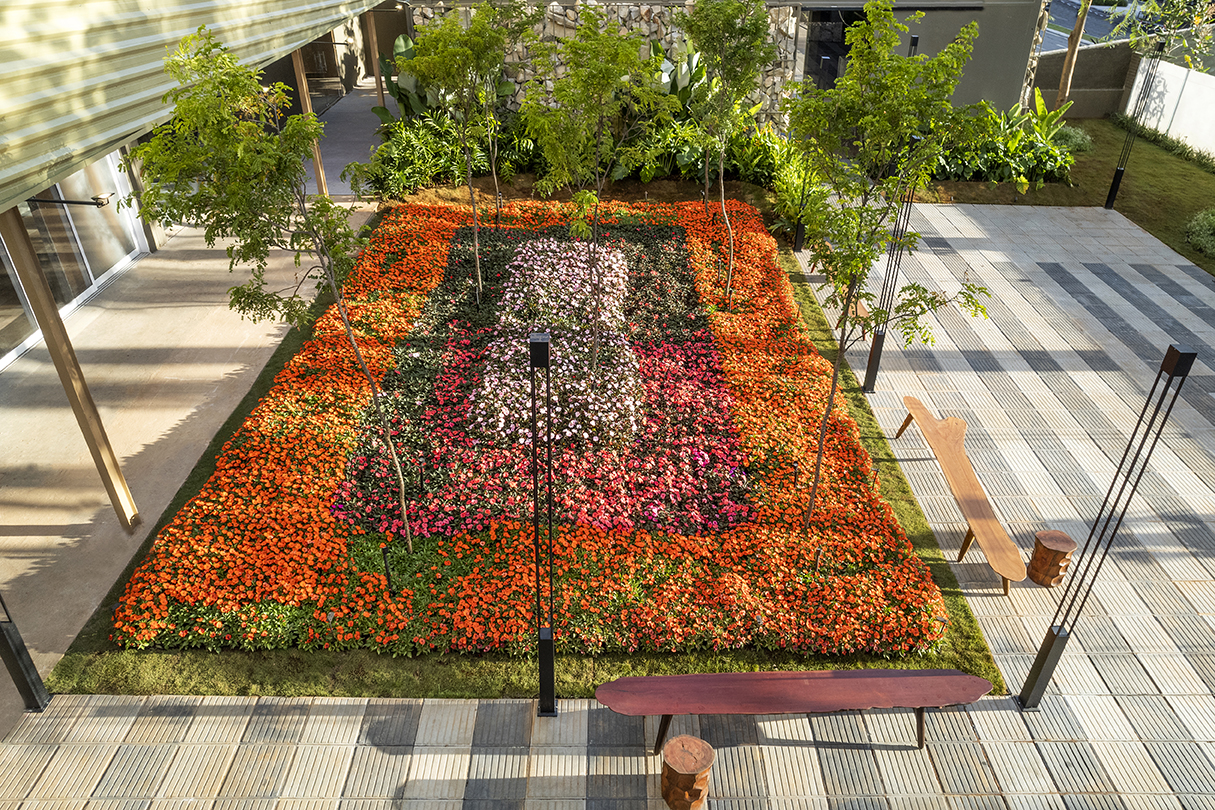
[
  {"x": 301, "y": 79},
  {"x": 375, "y": 55},
  {"x": 46, "y": 312}
]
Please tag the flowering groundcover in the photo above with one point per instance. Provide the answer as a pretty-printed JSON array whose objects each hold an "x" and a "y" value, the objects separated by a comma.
[{"x": 684, "y": 440}]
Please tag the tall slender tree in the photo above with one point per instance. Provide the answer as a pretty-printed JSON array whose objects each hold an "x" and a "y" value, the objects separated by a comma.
[
  {"x": 871, "y": 139},
  {"x": 735, "y": 46},
  {"x": 233, "y": 164}
]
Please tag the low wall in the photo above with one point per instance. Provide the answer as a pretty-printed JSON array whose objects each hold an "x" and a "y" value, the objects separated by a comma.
[
  {"x": 1099, "y": 80},
  {"x": 1180, "y": 102}
]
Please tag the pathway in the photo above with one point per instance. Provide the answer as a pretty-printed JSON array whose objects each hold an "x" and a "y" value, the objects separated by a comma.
[{"x": 1084, "y": 305}]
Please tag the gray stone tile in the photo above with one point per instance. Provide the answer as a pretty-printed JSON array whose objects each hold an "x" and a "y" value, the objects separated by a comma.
[
  {"x": 390, "y": 722},
  {"x": 497, "y": 774},
  {"x": 857, "y": 803},
  {"x": 785, "y": 730},
  {"x": 276, "y": 720},
  {"x": 1153, "y": 718},
  {"x": 105, "y": 719},
  {"x": 1075, "y": 767},
  {"x": 377, "y": 771},
  {"x": 74, "y": 770},
  {"x": 839, "y": 727},
  {"x": 557, "y": 773},
  {"x": 1123, "y": 674},
  {"x": 786, "y": 803},
  {"x": 738, "y": 772},
  {"x": 1018, "y": 767},
  {"x": 849, "y": 769},
  {"x": 508, "y": 723},
  {"x": 919, "y": 803},
  {"x": 1135, "y": 801},
  {"x": 998, "y": 718},
  {"x": 438, "y": 772},
  {"x": 52, "y": 725},
  {"x": 220, "y": 719},
  {"x": 907, "y": 771},
  {"x": 117, "y": 804},
  {"x": 333, "y": 721},
  {"x": 616, "y": 773},
  {"x": 1044, "y": 801},
  {"x": 163, "y": 719},
  {"x": 135, "y": 772},
  {"x": 962, "y": 768},
  {"x": 1054, "y": 720},
  {"x": 722, "y": 730},
  {"x": 1130, "y": 767},
  {"x": 977, "y": 803},
  {"x": 197, "y": 771},
  {"x": 1092, "y": 802},
  {"x": 568, "y": 728},
  {"x": 792, "y": 771},
  {"x": 257, "y": 771},
  {"x": 21, "y": 766},
  {"x": 318, "y": 771},
  {"x": 1183, "y": 765},
  {"x": 951, "y": 724}
]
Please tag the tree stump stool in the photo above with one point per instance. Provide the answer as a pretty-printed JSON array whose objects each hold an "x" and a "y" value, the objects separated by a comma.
[
  {"x": 686, "y": 763},
  {"x": 1052, "y": 554}
]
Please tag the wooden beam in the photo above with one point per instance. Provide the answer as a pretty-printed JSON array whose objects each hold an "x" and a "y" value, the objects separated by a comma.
[
  {"x": 375, "y": 56},
  {"x": 46, "y": 312},
  {"x": 301, "y": 79}
]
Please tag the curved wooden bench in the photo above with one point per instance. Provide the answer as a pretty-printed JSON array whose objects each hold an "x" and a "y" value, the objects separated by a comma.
[
  {"x": 815, "y": 692},
  {"x": 946, "y": 437}
]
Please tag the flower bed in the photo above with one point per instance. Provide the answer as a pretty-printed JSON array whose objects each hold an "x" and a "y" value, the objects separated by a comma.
[{"x": 682, "y": 453}]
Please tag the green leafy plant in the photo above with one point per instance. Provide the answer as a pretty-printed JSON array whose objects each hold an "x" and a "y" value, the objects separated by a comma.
[
  {"x": 735, "y": 45},
  {"x": 871, "y": 140},
  {"x": 1009, "y": 147},
  {"x": 231, "y": 162},
  {"x": 1045, "y": 123},
  {"x": 417, "y": 153},
  {"x": 1174, "y": 146},
  {"x": 1074, "y": 139},
  {"x": 1200, "y": 231}
]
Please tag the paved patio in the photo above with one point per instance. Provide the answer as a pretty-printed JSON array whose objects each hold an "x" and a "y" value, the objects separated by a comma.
[{"x": 1084, "y": 305}]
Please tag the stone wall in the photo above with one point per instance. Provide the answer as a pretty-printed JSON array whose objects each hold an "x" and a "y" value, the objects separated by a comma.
[{"x": 653, "y": 22}]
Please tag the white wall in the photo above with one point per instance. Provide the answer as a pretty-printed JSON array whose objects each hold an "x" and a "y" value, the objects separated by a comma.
[{"x": 1180, "y": 103}]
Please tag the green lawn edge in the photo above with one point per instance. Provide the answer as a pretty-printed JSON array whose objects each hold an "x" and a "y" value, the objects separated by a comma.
[{"x": 94, "y": 665}]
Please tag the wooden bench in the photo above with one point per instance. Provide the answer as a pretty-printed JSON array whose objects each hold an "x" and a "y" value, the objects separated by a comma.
[
  {"x": 946, "y": 437},
  {"x": 816, "y": 692}
]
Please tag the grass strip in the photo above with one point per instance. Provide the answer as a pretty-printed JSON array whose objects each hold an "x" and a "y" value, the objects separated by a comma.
[{"x": 94, "y": 665}]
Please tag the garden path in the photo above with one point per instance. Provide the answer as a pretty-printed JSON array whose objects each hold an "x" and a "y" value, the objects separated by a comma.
[{"x": 1084, "y": 304}]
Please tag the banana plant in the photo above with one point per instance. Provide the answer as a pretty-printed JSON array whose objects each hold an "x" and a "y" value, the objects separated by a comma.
[
  {"x": 411, "y": 98},
  {"x": 1046, "y": 123}
]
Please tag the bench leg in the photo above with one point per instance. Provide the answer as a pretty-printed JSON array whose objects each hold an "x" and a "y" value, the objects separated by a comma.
[
  {"x": 906, "y": 422},
  {"x": 1006, "y": 584},
  {"x": 919, "y": 727},
  {"x": 662, "y": 733},
  {"x": 970, "y": 538}
]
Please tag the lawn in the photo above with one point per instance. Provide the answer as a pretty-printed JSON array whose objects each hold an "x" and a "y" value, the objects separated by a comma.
[
  {"x": 680, "y": 541},
  {"x": 1160, "y": 192}
]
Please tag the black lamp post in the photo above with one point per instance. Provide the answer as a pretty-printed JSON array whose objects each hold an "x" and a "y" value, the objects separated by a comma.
[
  {"x": 538, "y": 346},
  {"x": 1178, "y": 361},
  {"x": 1149, "y": 78},
  {"x": 894, "y": 260},
  {"x": 20, "y": 665}
]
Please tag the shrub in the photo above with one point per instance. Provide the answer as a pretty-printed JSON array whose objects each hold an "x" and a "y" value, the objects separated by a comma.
[
  {"x": 1174, "y": 146},
  {"x": 1007, "y": 147},
  {"x": 417, "y": 152},
  {"x": 1200, "y": 231},
  {"x": 1073, "y": 139}
]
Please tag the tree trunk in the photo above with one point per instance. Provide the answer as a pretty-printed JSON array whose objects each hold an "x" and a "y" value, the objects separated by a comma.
[
  {"x": 721, "y": 184},
  {"x": 1069, "y": 61},
  {"x": 835, "y": 377},
  {"x": 339, "y": 299},
  {"x": 472, "y": 196}
]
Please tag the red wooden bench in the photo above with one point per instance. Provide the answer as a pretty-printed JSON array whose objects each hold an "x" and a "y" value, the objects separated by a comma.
[{"x": 816, "y": 692}]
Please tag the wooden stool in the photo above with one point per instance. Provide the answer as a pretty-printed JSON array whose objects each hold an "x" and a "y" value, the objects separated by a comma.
[
  {"x": 686, "y": 763},
  {"x": 1052, "y": 554}
]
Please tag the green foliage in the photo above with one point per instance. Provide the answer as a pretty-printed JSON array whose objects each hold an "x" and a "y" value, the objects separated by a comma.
[
  {"x": 1174, "y": 146},
  {"x": 231, "y": 163},
  {"x": 872, "y": 139},
  {"x": 799, "y": 194},
  {"x": 411, "y": 97},
  {"x": 1184, "y": 25},
  {"x": 417, "y": 153},
  {"x": 680, "y": 74},
  {"x": 1044, "y": 122},
  {"x": 1010, "y": 147},
  {"x": 1200, "y": 231},
  {"x": 753, "y": 155},
  {"x": 1074, "y": 139},
  {"x": 588, "y": 116}
]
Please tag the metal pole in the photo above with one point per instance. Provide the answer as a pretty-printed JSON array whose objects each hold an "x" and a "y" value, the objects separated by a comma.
[
  {"x": 894, "y": 261},
  {"x": 20, "y": 665},
  {"x": 538, "y": 350},
  {"x": 1176, "y": 365},
  {"x": 1149, "y": 78}
]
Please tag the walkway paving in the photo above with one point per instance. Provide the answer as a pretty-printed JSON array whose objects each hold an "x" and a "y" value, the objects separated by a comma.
[{"x": 1084, "y": 305}]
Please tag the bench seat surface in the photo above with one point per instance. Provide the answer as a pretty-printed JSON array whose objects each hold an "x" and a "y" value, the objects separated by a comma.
[
  {"x": 946, "y": 438},
  {"x": 790, "y": 692}
]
